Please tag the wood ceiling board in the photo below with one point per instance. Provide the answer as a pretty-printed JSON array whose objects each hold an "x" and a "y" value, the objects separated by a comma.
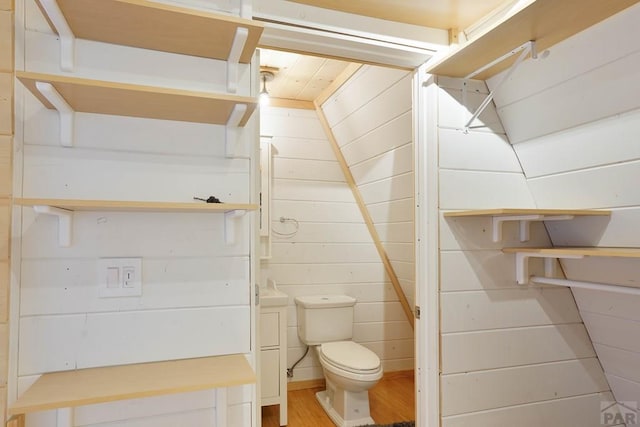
[
  {"x": 299, "y": 77},
  {"x": 548, "y": 22},
  {"x": 595, "y": 252},
  {"x": 121, "y": 99},
  {"x": 107, "y": 384},
  {"x": 158, "y": 26},
  {"x": 134, "y": 206},
  {"x": 443, "y": 14}
]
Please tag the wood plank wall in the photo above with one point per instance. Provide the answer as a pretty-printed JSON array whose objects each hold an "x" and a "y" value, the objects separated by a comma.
[
  {"x": 575, "y": 121},
  {"x": 6, "y": 187},
  {"x": 196, "y": 292},
  {"x": 509, "y": 355},
  {"x": 332, "y": 252},
  {"x": 371, "y": 118}
]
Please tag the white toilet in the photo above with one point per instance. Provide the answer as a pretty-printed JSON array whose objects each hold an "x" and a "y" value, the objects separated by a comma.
[{"x": 350, "y": 370}]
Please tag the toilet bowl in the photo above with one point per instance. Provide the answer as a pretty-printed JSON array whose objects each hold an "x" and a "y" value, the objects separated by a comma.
[{"x": 350, "y": 369}]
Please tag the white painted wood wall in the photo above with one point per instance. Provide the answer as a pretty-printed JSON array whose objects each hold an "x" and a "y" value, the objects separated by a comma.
[
  {"x": 575, "y": 119},
  {"x": 371, "y": 118},
  {"x": 332, "y": 251},
  {"x": 196, "y": 292},
  {"x": 509, "y": 355}
]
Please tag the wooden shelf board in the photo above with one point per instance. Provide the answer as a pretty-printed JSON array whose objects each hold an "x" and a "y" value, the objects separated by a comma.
[
  {"x": 135, "y": 206},
  {"x": 157, "y": 26},
  {"x": 123, "y": 99},
  {"x": 589, "y": 251},
  {"x": 507, "y": 212},
  {"x": 108, "y": 384},
  {"x": 545, "y": 21}
]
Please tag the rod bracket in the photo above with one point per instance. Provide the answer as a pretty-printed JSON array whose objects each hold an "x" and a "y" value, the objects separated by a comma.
[{"x": 522, "y": 264}]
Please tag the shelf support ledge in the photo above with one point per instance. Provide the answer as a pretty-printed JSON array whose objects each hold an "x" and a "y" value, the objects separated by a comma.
[
  {"x": 67, "y": 38},
  {"x": 244, "y": 7},
  {"x": 230, "y": 225},
  {"x": 65, "y": 111},
  {"x": 233, "y": 61},
  {"x": 231, "y": 134},
  {"x": 525, "y": 49},
  {"x": 525, "y": 224},
  {"x": 65, "y": 218},
  {"x": 64, "y": 417}
]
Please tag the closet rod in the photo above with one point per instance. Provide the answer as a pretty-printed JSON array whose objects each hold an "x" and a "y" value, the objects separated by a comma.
[{"x": 585, "y": 285}]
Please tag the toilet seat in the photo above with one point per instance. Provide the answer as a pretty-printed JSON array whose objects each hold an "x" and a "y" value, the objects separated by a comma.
[{"x": 350, "y": 357}]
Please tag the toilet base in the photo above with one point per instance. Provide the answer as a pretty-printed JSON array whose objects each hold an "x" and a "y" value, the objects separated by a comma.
[{"x": 356, "y": 407}]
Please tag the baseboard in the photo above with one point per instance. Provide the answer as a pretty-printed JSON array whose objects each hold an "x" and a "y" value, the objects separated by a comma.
[
  {"x": 303, "y": 385},
  {"x": 409, "y": 373}
]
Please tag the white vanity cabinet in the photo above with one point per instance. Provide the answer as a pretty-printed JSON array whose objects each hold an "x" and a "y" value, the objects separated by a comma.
[{"x": 273, "y": 349}]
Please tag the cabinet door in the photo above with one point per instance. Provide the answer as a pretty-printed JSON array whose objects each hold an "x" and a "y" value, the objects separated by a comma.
[
  {"x": 269, "y": 329},
  {"x": 270, "y": 373}
]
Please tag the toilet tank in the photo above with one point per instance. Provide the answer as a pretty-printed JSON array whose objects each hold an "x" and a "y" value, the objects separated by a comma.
[{"x": 324, "y": 318}]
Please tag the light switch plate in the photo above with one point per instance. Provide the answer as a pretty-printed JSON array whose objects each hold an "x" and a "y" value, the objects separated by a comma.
[{"x": 119, "y": 277}]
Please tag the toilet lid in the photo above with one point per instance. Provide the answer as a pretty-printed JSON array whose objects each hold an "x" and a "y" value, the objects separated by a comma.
[{"x": 350, "y": 356}]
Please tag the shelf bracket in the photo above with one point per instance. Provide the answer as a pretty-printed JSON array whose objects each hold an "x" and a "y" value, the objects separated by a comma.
[
  {"x": 231, "y": 134},
  {"x": 524, "y": 49},
  {"x": 67, "y": 38},
  {"x": 65, "y": 218},
  {"x": 64, "y": 417},
  {"x": 233, "y": 61},
  {"x": 522, "y": 264},
  {"x": 221, "y": 407},
  {"x": 245, "y": 9},
  {"x": 230, "y": 225},
  {"x": 525, "y": 224},
  {"x": 65, "y": 111}
]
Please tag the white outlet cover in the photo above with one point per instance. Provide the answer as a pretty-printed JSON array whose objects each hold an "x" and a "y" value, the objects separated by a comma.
[{"x": 106, "y": 266}]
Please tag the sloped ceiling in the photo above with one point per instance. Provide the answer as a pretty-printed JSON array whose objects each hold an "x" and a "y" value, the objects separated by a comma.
[
  {"x": 444, "y": 14},
  {"x": 299, "y": 77},
  {"x": 303, "y": 78}
]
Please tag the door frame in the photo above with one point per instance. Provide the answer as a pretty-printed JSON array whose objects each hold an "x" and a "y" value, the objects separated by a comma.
[{"x": 283, "y": 32}]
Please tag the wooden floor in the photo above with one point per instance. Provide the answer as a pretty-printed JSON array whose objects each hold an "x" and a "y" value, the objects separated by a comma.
[{"x": 391, "y": 400}]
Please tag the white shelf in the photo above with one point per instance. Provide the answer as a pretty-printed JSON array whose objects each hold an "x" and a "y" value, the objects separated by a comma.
[
  {"x": 156, "y": 26},
  {"x": 123, "y": 99},
  {"x": 64, "y": 208},
  {"x": 134, "y": 206},
  {"x": 546, "y": 22},
  {"x": 558, "y": 253},
  {"x": 524, "y": 217},
  {"x": 107, "y": 384}
]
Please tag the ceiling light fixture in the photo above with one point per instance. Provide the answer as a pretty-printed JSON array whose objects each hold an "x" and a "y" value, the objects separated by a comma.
[{"x": 266, "y": 76}]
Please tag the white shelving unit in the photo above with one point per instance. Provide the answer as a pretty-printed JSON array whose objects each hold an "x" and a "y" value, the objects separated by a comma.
[
  {"x": 524, "y": 217},
  {"x": 554, "y": 254},
  {"x": 157, "y": 26}
]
